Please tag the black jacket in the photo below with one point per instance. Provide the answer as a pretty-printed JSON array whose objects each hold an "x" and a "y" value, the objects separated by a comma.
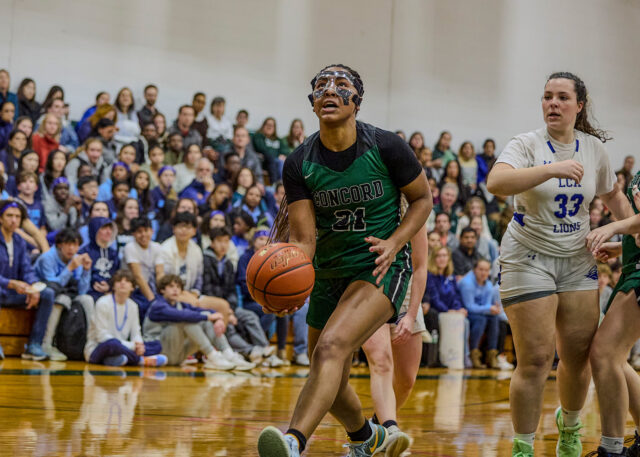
[{"x": 219, "y": 285}]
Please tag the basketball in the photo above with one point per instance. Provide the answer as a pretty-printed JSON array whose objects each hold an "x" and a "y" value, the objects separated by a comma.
[{"x": 280, "y": 276}]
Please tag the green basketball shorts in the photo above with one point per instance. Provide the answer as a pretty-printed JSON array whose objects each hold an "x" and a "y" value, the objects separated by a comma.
[
  {"x": 327, "y": 292},
  {"x": 626, "y": 284}
]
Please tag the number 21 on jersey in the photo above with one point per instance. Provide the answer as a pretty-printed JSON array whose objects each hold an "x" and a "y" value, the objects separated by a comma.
[{"x": 349, "y": 221}]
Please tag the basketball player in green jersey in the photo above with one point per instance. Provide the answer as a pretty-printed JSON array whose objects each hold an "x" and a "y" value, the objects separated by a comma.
[
  {"x": 345, "y": 182},
  {"x": 617, "y": 383}
]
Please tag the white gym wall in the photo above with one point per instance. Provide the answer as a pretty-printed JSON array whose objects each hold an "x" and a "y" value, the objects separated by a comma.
[{"x": 474, "y": 67}]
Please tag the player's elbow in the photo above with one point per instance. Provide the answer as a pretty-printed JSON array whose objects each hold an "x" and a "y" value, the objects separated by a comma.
[{"x": 492, "y": 184}]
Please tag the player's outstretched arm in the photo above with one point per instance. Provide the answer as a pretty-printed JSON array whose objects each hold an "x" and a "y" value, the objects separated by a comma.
[
  {"x": 506, "y": 180},
  {"x": 302, "y": 226},
  {"x": 418, "y": 195}
]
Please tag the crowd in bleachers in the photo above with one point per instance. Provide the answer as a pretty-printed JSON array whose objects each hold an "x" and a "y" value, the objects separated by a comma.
[{"x": 146, "y": 224}]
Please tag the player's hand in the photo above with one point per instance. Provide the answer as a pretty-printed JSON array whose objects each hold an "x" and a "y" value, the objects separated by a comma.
[
  {"x": 219, "y": 328},
  {"x": 233, "y": 320},
  {"x": 608, "y": 251},
  {"x": 569, "y": 169},
  {"x": 495, "y": 310},
  {"x": 139, "y": 348},
  {"x": 597, "y": 237},
  {"x": 386, "y": 251},
  {"x": 403, "y": 330},
  {"x": 281, "y": 313}
]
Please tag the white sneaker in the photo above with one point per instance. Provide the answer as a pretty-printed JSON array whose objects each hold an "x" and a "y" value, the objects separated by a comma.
[
  {"x": 302, "y": 359},
  {"x": 273, "y": 362},
  {"x": 54, "y": 353},
  {"x": 503, "y": 364},
  {"x": 240, "y": 363},
  {"x": 217, "y": 361},
  {"x": 256, "y": 354},
  {"x": 268, "y": 351}
]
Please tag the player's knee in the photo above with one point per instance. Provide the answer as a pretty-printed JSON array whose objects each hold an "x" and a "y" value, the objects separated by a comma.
[
  {"x": 602, "y": 357},
  {"x": 405, "y": 382},
  {"x": 330, "y": 349},
  {"x": 380, "y": 362},
  {"x": 535, "y": 365}
]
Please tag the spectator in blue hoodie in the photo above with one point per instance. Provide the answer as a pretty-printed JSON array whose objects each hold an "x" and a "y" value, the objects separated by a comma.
[
  {"x": 68, "y": 275},
  {"x": 104, "y": 257},
  {"x": 477, "y": 297},
  {"x": 17, "y": 278},
  {"x": 97, "y": 209}
]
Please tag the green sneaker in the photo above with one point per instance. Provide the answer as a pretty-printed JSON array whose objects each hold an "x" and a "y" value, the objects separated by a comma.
[
  {"x": 375, "y": 445},
  {"x": 521, "y": 449},
  {"x": 569, "y": 444}
]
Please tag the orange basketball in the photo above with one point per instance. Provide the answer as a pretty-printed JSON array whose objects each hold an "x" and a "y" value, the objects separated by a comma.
[{"x": 280, "y": 276}]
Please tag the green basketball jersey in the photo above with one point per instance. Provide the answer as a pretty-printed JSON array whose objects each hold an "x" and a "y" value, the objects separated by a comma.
[
  {"x": 630, "y": 251},
  {"x": 350, "y": 205}
]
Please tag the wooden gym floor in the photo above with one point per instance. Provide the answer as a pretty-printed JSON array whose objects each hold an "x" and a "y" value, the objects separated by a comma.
[{"x": 72, "y": 409}]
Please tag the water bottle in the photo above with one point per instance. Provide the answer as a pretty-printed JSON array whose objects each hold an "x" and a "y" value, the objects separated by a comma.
[{"x": 434, "y": 336}]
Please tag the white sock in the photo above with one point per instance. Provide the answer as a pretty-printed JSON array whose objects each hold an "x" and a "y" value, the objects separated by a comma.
[
  {"x": 570, "y": 418},
  {"x": 526, "y": 437},
  {"x": 612, "y": 445},
  {"x": 228, "y": 352},
  {"x": 52, "y": 325},
  {"x": 212, "y": 354}
]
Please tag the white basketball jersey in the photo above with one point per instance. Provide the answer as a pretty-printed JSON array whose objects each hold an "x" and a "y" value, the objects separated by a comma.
[{"x": 553, "y": 217}]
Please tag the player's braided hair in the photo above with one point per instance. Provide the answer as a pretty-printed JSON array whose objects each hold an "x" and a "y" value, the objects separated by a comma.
[
  {"x": 582, "y": 120},
  {"x": 280, "y": 229}
]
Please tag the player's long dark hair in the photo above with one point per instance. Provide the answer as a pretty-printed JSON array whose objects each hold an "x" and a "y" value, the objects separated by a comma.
[
  {"x": 280, "y": 229},
  {"x": 582, "y": 120}
]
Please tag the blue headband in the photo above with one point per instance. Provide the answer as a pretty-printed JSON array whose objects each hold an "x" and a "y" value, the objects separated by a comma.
[
  {"x": 260, "y": 233},
  {"x": 165, "y": 168},
  {"x": 10, "y": 205},
  {"x": 121, "y": 164},
  {"x": 215, "y": 213},
  {"x": 60, "y": 180}
]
